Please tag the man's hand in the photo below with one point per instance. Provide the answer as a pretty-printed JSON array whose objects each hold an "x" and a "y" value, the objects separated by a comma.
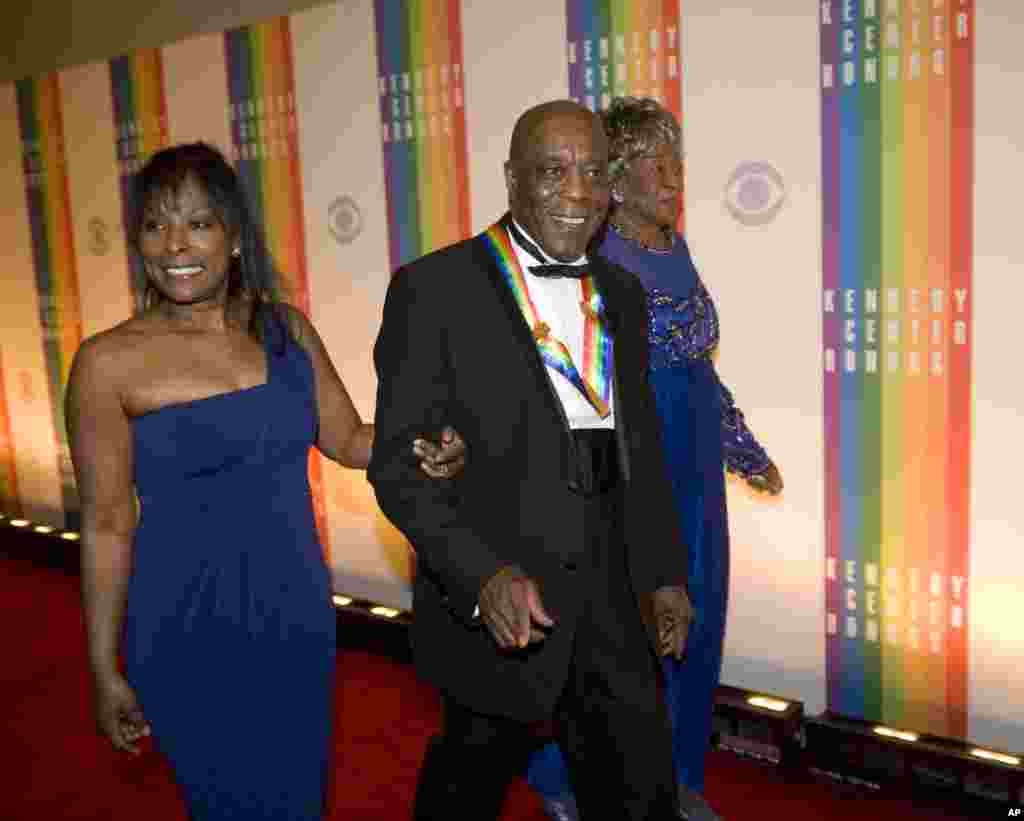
[
  {"x": 441, "y": 461},
  {"x": 768, "y": 481},
  {"x": 511, "y": 607},
  {"x": 672, "y": 613}
]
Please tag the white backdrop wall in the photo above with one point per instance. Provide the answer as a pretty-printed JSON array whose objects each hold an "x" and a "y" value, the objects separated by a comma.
[
  {"x": 750, "y": 94},
  {"x": 997, "y": 522}
]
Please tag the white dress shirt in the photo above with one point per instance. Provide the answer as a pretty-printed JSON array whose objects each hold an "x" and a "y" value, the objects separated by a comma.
[{"x": 557, "y": 300}]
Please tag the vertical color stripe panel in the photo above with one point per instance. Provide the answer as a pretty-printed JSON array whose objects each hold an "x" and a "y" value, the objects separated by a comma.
[
  {"x": 264, "y": 135},
  {"x": 934, "y": 488},
  {"x": 851, "y": 176},
  {"x": 829, "y": 39},
  {"x": 897, "y": 187},
  {"x": 26, "y": 394},
  {"x": 420, "y": 82},
  {"x": 617, "y": 48},
  {"x": 915, "y": 419},
  {"x": 10, "y": 501},
  {"x": 892, "y": 463},
  {"x": 867, "y": 334},
  {"x": 140, "y": 121},
  {"x": 960, "y": 27},
  {"x": 39, "y": 102}
]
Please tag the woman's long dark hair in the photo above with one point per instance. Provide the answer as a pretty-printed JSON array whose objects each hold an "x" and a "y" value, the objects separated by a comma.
[{"x": 252, "y": 275}]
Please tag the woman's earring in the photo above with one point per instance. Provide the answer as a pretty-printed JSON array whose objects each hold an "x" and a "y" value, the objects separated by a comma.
[
  {"x": 617, "y": 197},
  {"x": 237, "y": 252}
]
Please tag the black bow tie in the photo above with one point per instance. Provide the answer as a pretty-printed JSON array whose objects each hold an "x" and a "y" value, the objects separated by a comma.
[{"x": 553, "y": 270}]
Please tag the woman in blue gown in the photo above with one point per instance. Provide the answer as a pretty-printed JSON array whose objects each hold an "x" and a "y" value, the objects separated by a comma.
[
  {"x": 703, "y": 430},
  {"x": 212, "y": 586}
]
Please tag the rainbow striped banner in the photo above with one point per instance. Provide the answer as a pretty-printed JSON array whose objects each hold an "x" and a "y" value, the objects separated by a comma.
[
  {"x": 897, "y": 171},
  {"x": 10, "y": 500},
  {"x": 620, "y": 48},
  {"x": 53, "y": 253},
  {"x": 423, "y": 125},
  {"x": 265, "y": 142},
  {"x": 140, "y": 121},
  {"x": 624, "y": 47}
]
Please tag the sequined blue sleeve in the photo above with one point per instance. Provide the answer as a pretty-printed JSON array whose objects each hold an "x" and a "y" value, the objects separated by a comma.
[{"x": 743, "y": 454}]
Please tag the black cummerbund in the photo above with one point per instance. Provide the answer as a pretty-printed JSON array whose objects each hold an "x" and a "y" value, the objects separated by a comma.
[{"x": 597, "y": 461}]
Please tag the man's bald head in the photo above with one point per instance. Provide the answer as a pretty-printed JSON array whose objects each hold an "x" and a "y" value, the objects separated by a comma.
[{"x": 534, "y": 119}]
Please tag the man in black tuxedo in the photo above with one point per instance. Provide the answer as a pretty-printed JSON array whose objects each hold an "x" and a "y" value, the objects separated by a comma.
[{"x": 541, "y": 565}]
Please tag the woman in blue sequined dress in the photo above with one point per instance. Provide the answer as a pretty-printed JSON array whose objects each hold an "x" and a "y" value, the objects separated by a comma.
[
  {"x": 190, "y": 426},
  {"x": 703, "y": 429}
]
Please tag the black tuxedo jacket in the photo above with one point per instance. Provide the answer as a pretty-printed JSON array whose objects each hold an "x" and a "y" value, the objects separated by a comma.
[{"x": 454, "y": 349}]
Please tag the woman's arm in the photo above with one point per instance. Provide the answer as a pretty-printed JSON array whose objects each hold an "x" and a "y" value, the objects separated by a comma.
[
  {"x": 742, "y": 452},
  {"x": 101, "y": 449},
  {"x": 343, "y": 436}
]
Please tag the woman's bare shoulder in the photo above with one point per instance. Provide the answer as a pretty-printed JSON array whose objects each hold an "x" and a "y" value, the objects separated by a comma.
[{"x": 109, "y": 350}]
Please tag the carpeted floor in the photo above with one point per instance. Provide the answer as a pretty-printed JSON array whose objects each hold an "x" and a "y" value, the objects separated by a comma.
[{"x": 53, "y": 765}]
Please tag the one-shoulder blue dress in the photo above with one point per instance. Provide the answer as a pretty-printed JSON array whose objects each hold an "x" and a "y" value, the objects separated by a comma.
[
  {"x": 229, "y": 631},
  {"x": 704, "y": 433}
]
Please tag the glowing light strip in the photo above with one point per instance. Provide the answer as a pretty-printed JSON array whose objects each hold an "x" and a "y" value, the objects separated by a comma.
[
  {"x": 888, "y": 732},
  {"x": 1002, "y": 758},
  {"x": 774, "y": 704}
]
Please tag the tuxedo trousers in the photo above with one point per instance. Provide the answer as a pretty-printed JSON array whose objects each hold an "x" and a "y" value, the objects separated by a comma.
[{"x": 609, "y": 719}]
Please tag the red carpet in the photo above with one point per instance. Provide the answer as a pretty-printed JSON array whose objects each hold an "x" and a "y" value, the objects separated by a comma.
[{"x": 53, "y": 765}]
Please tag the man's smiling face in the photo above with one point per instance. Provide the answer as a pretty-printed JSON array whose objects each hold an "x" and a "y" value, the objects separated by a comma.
[{"x": 557, "y": 181}]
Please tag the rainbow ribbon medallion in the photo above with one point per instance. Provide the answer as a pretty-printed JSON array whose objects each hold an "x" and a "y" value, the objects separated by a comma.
[{"x": 595, "y": 383}]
